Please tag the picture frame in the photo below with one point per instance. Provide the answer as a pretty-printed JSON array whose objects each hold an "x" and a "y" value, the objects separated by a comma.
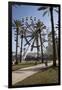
[{"x": 14, "y": 12}]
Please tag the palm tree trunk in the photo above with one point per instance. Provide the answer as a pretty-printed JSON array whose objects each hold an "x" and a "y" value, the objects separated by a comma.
[
  {"x": 21, "y": 48},
  {"x": 53, "y": 36},
  {"x": 41, "y": 47},
  {"x": 58, "y": 36},
  {"x": 37, "y": 48},
  {"x": 16, "y": 46}
]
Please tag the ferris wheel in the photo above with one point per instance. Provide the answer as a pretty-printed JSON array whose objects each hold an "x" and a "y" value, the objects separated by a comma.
[
  {"x": 34, "y": 37},
  {"x": 32, "y": 32}
]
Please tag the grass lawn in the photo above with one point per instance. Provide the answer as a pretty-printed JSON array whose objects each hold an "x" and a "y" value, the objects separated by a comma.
[
  {"x": 23, "y": 65},
  {"x": 47, "y": 76}
]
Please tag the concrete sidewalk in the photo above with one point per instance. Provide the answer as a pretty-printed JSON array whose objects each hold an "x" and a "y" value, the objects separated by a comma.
[{"x": 23, "y": 73}]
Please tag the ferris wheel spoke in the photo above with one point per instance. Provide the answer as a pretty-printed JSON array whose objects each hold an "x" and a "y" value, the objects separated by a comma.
[
  {"x": 31, "y": 28},
  {"x": 32, "y": 45},
  {"x": 28, "y": 41},
  {"x": 28, "y": 31},
  {"x": 28, "y": 36},
  {"x": 43, "y": 34},
  {"x": 43, "y": 46}
]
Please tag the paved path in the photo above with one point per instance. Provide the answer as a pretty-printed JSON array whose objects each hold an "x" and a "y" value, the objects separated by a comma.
[{"x": 23, "y": 73}]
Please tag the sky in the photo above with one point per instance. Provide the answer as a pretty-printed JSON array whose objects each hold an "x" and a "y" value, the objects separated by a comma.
[{"x": 24, "y": 11}]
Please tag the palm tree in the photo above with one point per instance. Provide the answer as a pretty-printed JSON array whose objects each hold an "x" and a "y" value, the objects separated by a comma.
[
  {"x": 58, "y": 28},
  {"x": 50, "y": 9},
  {"x": 22, "y": 33},
  {"x": 21, "y": 48},
  {"x": 21, "y": 44},
  {"x": 35, "y": 36},
  {"x": 40, "y": 27},
  {"x": 16, "y": 25}
]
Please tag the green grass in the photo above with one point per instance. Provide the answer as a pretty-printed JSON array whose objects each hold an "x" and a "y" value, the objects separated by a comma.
[
  {"x": 23, "y": 65},
  {"x": 47, "y": 76}
]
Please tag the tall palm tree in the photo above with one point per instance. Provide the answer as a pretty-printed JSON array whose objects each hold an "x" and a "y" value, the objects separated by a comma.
[
  {"x": 22, "y": 34},
  {"x": 21, "y": 48},
  {"x": 36, "y": 40},
  {"x": 50, "y": 9},
  {"x": 40, "y": 27},
  {"x": 16, "y": 25},
  {"x": 37, "y": 44},
  {"x": 21, "y": 44},
  {"x": 58, "y": 29},
  {"x": 35, "y": 35}
]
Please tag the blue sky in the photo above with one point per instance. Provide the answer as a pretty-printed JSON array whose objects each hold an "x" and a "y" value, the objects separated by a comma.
[{"x": 25, "y": 10}]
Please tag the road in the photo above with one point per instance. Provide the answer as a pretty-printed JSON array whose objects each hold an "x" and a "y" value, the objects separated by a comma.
[{"x": 23, "y": 73}]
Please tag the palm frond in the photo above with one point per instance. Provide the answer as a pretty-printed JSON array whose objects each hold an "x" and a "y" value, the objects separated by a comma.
[
  {"x": 17, "y": 23},
  {"x": 42, "y": 8},
  {"x": 56, "y": 10},
  {"x": 45, "y": 13}
]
